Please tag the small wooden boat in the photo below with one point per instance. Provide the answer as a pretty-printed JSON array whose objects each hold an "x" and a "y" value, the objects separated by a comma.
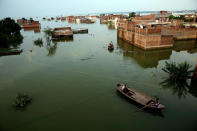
[
  {"x": 110, "y": 46},
  {"x": 139, "y": 97}
]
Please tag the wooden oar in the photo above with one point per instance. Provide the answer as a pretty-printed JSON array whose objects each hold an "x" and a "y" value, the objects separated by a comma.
[{"x": 142, "y": 108}]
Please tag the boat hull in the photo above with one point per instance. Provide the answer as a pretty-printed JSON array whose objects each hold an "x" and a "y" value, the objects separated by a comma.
[{"x": 139, "y": 98}]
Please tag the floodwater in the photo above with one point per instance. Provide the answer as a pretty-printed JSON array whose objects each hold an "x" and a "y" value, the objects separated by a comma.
[{"x": 73, "y": 84}]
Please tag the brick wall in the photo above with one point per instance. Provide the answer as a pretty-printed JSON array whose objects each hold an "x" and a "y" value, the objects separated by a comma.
[
  {"x": 167, "y": 40},
  {"x": 180, "y": 33},
  {"x": 140, "y": 40},
  {"x": 147, "y": 38}
]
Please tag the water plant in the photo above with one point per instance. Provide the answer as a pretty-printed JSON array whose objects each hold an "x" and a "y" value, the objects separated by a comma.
[
  {"x": 38, "y": 42},
  {"x": 49, "y": 31},
  {"x": 21, "y": 100}
]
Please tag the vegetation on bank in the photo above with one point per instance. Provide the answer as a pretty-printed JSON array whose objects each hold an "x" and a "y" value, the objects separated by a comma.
[
  {"x": 21, "y": 100},
  {"x": 10, "y": 35},
  {"x": 181, "y": 17}
]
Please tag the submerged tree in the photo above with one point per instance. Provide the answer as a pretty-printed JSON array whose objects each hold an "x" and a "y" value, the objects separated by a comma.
[
  {"x": 178, "y": 73},
  {"x": 10, "y": 33},
  {"x": 179, "y": 89},
  {"x": 38, "y": 42},
  {"x": 21, "y": 100},
  {"x": 178, "y": 77},
  {"x": 49, "y": 31}
]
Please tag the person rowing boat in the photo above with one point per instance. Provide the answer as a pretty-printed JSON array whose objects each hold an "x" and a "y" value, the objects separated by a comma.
[
  {"x": 110, "y": 46},
  {"x": 140, "y": 97}
]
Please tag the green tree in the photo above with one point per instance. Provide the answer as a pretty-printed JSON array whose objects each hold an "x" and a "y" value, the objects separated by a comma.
[
  {"x": 9, "y": 33},
  {"x": 31, "y": 20},
  {"x": 132, "y": 14},
  {"x": 178, "y": 73},
  {"x": 171, "y": 17}
]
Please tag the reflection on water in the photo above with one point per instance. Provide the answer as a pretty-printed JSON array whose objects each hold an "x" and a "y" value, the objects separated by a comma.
[
  {"x": 146, "y": 59},
  {"x": 111, "y": 27},
  {"x": 36, "y": 30},
  {"x": 51, "y": 48},
  {"x": 187, "y": 45},
  {"x": 193, "y": 88},
  {"x": 150, "y": 58},
  {"x": 180, "y": 89},
  {"x": 71, "y": 39}
]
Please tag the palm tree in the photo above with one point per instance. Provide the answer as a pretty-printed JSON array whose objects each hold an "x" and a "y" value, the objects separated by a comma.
[
  {"x": 178, "y": 78},
  {"x": 178, "y": 73}
]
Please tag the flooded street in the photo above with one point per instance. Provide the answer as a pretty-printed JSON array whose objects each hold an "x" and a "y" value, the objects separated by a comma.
[{"x": 73, "y": 83}]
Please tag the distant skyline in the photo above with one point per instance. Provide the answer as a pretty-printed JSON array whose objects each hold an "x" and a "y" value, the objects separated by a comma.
[{"x": 28, "y": 8}]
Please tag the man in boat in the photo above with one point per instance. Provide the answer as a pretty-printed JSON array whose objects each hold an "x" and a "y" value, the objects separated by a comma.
[
  {"x": 154, "y": 101},
  {"x": 111, "y": 45}
]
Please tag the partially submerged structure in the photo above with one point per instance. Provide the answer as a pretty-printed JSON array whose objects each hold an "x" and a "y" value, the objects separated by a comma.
[
  {"x": 147, "y": 36},
  {"x": 81, "y": 19},
  {"x": 62, "y": 32},
  {"x": 28, "y": 23},
  {"x": 155, "y": 30},
  {"x": 80, "y": 30}
]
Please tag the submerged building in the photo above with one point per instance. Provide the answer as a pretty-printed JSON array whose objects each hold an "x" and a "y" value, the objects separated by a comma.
[
  {"x": 154, "y": 31},
  {"x": 63, "y": 32},
  {"x": 147, "y": 36}
]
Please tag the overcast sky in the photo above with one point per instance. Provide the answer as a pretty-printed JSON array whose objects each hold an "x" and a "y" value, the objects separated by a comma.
[{"x": 19, "y": 8}]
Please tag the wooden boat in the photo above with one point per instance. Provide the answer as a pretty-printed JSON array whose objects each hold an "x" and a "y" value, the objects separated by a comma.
[
  {"x": 110, "y": 47},
  {"x": 139, "y": 97}
]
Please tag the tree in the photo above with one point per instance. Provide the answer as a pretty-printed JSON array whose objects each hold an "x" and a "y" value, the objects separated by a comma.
[
  {"x": 9, "y": 33},
  {"x": 178, "y": 73},
  {"x": 171, "y": 17},
  {"x": 178, "y": 77},
  {"x": 31, "y": 20},
  {"x": 132, "y": 14},
  {"x": 24, "y": 19}
]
